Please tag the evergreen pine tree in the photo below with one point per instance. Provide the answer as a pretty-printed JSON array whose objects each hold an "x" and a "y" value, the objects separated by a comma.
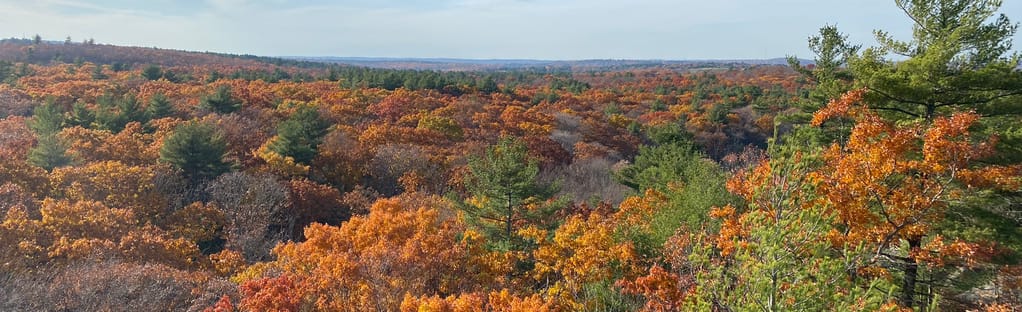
[
  {"x": 159, "y": 107},
  {"x": 957, "y": 61},
  {"x": 116, "y": 112},
  {"x": 503, "y": 182},
  {"x": 221, "y": 101},
  {"x": 299, "y": 136},
  {"x": 198, "y": 149},
  {"x": 80, "y": 116},
  {"x": 152, "y": 72},
  {"x": 49, "y": 151},
  {"x": 488, "y": 85}
]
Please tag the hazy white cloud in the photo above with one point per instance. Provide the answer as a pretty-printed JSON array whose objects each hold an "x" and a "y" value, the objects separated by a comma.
[{"x": 547, "y": 29}]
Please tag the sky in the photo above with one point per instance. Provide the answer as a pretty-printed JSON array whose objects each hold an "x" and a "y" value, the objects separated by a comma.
[{"x": 477, "y": 29}]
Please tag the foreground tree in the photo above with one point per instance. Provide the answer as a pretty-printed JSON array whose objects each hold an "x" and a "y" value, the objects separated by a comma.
[
  {"x": 893, "y": 186},
  {"x": 957, "y": 60},
  {"x": 772, "y": 255},
  {"x": 956, "y": 81}
]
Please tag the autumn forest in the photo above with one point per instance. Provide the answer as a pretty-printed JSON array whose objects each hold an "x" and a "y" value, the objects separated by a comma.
[{"x": 882, "y": 175}]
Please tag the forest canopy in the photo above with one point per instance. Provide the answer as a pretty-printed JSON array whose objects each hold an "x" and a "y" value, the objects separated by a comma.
[{"x": 880, "y": 176}]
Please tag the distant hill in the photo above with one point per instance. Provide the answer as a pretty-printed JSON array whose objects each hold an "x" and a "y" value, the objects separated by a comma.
[
  {"x": 25, "y": 50},
  {"x": 505, "y": 64}
]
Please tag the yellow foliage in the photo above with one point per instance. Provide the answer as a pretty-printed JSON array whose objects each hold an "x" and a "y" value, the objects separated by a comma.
[
  {"x": 227, "y": 262},
  {"x": 150, "y": 244},
  {"x": 279, "y": 164},
  {"x": 114, "y": 184},
  {"x": 197, "y": 222},
  {"x": 583, "y": 250}
]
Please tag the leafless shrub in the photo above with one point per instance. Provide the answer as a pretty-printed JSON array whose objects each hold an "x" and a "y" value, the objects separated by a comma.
[
  {"x": 587, "y": 179},
  {"x": 395, "y": 160},
  {"x": 103, "y": 286},
  {"x": 255, "y": 209},
  {"x": 12, "y": 195}
]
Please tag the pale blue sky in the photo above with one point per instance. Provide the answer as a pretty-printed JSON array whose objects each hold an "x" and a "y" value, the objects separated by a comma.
[{"x": 533, "y": 29}]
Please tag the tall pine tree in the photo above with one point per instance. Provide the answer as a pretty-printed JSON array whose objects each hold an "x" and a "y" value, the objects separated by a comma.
[{"x": 506, "y": 193}]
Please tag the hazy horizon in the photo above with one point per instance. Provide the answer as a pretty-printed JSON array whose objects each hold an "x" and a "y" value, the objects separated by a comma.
[{"x": 464, "y": 29}]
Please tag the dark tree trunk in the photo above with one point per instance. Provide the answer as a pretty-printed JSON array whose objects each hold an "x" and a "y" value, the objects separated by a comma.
[{"x": 908, "y": 286}]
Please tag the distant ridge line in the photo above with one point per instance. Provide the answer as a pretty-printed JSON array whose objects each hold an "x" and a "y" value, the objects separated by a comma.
[{"x": 454, "y": 63}]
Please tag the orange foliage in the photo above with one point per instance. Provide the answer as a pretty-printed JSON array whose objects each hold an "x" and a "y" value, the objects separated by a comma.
[
  {"x": 277, "y": 294},
  {"x": 892, "y": 182},
  {"x": 664, "y": 291},
  {"x": 582, "y": 251},
  {"x": 404, "y": 246},
  {"x": 130, "y": 146},
  {"x": 113, "y": 183}
]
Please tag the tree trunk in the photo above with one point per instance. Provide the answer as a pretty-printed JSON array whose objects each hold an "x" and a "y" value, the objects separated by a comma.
[
  {"x": 510, "y": 218},
  {"x": 908, "y": 286}
]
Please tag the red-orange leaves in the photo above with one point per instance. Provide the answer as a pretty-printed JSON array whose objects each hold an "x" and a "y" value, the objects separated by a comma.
[
  {"x": 664, "y": 291},
  {"x": 840, "y": 107},
  {"x": 278, "y": 294},
  {"x": 884, "y": 190},
  {"x": 406, "y": 245}
]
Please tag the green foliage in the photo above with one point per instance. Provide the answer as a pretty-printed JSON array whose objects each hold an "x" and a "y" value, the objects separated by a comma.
[
  {"x": 658, "y": 106},
  {"x": 97, "y": 73},
  {"x": 152, "y": 72},
  {"x": 571, "y": 85},
  {"x": 657, "y": 166},
  {"x": 49, "y": 153},
  {"x": 299, "y": 136},
  {"x": 605, "y": 296},
  {"x": 668, "y": 134},
  {"x": 831, "y": 79},
  {"x": 80, "y": 116},
  {"x": 47, "y": 118},
  {"x": 198, "y": 150},
  {"x": 691, "y": 183},
  {"x": 503, "y": 182},
  {"x": 782, "y": 261},
  {"x": 611, "y": 109},
  {"x": 221, "y": 101},
  {"x": 702, "y": 186},
  {"x": 447, "y": 126},
  {"x": 488, "y": 85},
  {"x": 214, "y": 76},
  {"x": 957, "y": 60},
  {"x": 159, "y": 107},
  {"x": 113, "y": 112},
  {"x": 363, "y": 77}
]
